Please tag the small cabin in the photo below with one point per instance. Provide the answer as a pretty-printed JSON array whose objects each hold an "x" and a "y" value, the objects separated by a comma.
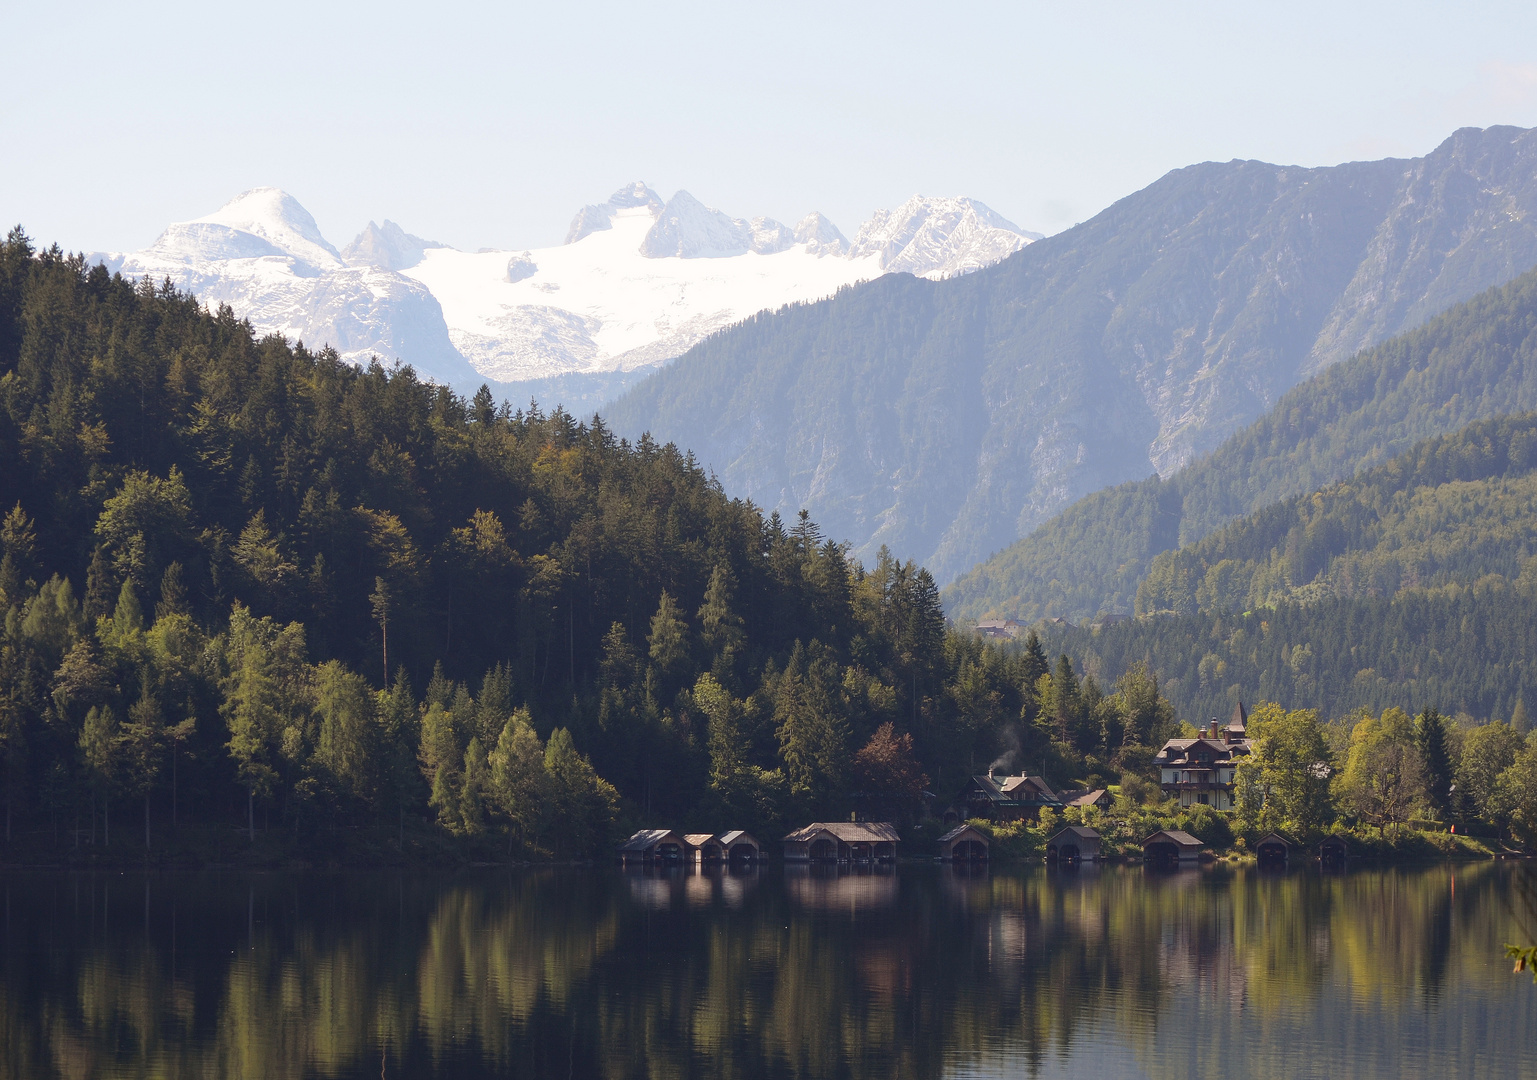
[
  {"x": 1074, "y": 844},
  {"x": 739, "y": 846},
  {"x": 1273, "y": 850},
  {"x": 842, "y": 841},
  {"x": 964, "y": 843},
  {"x": 705, "y": 848},
  {"x": 654, "y": 845},
  {"x": 1171, "y": 847}
]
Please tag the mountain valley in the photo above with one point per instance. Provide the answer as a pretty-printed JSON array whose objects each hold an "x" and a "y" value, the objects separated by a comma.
[{"x": 948, "y": 419}]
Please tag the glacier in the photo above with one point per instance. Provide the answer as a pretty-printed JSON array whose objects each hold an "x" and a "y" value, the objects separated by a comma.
[{"x": 638, "y": 282}]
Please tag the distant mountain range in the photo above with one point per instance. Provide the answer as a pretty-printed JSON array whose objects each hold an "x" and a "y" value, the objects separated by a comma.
[
  {"x": 948, "y": 419},
  {"x": 636, "y": 283}
]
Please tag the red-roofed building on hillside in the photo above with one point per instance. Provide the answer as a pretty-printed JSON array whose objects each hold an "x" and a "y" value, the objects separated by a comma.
[{"x": 1199, "y": 771}]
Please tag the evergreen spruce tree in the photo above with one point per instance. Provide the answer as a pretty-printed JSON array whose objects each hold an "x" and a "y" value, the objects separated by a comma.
[
  {"x": 1067, "y": 701},
  {"x": 719, "y": 626},
  {"x": 442, "y": 763},
  {"x": 519, "y": 782},
  {"x": 472, "y": 789},
  {"x": 144, "y": 739},
  {"x": 1033, "y": 664},
  {"x": 1430, "y": 740},
  {"x": 668, "y": 640}
]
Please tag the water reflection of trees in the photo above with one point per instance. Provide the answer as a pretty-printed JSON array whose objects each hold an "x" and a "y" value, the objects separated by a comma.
[{"x": 737, "y": 974}]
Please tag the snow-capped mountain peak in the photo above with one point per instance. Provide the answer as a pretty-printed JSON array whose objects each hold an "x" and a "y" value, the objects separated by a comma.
[
  {"x": 939, "y": 237},
  {"x": 272, "y": 215},
  {"x": 387, "y": 245},
  {"x": 688, "y": 229},
  {"x": 820, "y": 236},
  {"x": 600, "y": 216}
]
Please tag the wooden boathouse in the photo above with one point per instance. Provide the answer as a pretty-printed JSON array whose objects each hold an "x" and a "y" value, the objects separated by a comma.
[
  {"x": 654, "y": 845},
  {"x": 1074, "y": 844},
  {"x": 964, "y": 843},
  {"x": 1171, "y": 847},
  {"x": 842, "y": 842}
]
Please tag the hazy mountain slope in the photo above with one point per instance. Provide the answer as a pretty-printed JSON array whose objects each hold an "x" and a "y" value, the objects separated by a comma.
[
  {"x": 948, "y": 420},
  {"x": 1477, "y": 361}
]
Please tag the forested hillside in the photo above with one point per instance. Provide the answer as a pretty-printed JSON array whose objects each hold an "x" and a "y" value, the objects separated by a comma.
[
  {"x": 1456, "y": 510},
  {"x": 1476, "y": 361},
  {"x": 248, "y": 585},
  {"x": 948, "y": 419},
  {"x": 1413, "y": 584},
  {"x": 1459, "y": 650}
]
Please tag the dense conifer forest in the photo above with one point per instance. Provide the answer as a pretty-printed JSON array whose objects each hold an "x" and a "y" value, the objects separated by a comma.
[
  {"x": 245, "y": 583},
  {"x": 1414, "y": 584}
]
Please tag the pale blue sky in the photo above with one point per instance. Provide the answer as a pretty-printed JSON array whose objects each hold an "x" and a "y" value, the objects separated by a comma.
[{"x": 489, "y": 124}]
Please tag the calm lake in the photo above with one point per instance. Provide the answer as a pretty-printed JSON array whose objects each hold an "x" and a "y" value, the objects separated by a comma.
[{"x": 916, "y": 972}]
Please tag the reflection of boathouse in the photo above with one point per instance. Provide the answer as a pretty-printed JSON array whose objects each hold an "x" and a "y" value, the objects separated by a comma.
[
  {"x": 965, "y": 843},
  {"x": 845, "y": 889},
  {"x": 843, "y": 841},
  {"x": 1074, "y": 844}
]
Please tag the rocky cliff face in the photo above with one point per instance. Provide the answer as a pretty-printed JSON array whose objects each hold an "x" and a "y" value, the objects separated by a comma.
[{"x": 948, "y": 419}]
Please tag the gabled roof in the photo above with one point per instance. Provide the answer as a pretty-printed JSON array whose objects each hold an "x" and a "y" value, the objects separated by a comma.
[
  {"x": 736, "y": 836},
  {"x": 698, "y": 839},
  {"x": 959, "y": 829},
  {"x": 1174, "y": 836},
  {"x": 1344, "y": 840},
  {"x": 1239, "y": 720},
  {"x": 1009, "y": 789},
  {"x": 1181, "y": 748},
  {"x": 1084, "y": 797},
  {"x": 850, "y": 832},
  {"x": 649, "y": 838},
  {"x": 987, "y": 787},
  {"x": 1275, "y": 838},
  {"x": 1078, "y": 832},
  {"x": 1034, "y": 784}
]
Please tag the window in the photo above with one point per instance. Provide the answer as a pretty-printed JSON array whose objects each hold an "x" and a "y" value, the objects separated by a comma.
[{"x": 1202, "y": 797}]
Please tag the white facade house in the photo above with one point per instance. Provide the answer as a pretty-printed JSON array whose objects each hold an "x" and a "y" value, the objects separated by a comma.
[{"x": 1201, "y": 771}]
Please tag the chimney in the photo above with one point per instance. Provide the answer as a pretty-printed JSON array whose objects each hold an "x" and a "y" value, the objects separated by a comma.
[{"x": 1213, "y": 727}]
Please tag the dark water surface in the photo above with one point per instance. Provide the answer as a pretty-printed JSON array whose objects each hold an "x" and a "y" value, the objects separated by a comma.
[{"x": 918, "y": 972}]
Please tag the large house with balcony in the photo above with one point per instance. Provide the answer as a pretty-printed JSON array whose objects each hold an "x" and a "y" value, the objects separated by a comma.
[{"x": 1199, "y": 771}]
